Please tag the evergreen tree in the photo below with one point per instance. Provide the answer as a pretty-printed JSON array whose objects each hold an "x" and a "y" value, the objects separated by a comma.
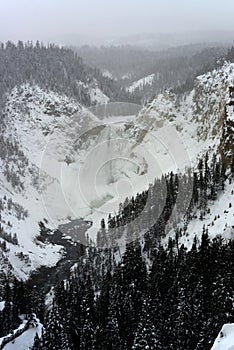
[{"x": 146, "y": 334}]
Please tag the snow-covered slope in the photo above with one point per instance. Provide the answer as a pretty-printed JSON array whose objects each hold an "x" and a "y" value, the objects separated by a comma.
[
  {"x": 218, "y": 221},
  {"x": 225, "y": 339},
  {"x": 95, "y": 93},
  {"x": 106, "y": 73},
  {"x": 198, "y": 117},
  {"x": 139, "y": 84},
  {"x": 25, "y": 340},
  {"x": 41, "y": 127}
]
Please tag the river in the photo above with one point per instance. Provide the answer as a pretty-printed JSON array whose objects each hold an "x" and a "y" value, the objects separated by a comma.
[{"x": 45, "y": 277}]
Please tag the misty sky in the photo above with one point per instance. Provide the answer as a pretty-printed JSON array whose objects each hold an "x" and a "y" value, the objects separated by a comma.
[{"x": 48, "y": 19}]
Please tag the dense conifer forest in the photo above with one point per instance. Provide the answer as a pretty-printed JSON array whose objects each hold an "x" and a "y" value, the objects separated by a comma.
[{"x": 54, "y": 68}]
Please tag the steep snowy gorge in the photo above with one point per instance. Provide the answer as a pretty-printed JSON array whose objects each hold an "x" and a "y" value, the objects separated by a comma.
[
  {"x": 40, "y": 128},
  {"x": 52, "y": 150},
  {"x": 63, "y": 162}
]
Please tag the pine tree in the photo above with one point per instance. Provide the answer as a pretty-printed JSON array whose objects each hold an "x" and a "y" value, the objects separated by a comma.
[
  {"x": 87, "y": 317},
  {"x": 146, "y": 335},
  {"x": 112, "y": 332},
  {"x": 55, "y": 336},
  {"x": 37, "y": 343}
]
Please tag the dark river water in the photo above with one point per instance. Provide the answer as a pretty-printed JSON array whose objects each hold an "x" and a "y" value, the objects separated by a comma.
[{"x": 46, "y": 277}]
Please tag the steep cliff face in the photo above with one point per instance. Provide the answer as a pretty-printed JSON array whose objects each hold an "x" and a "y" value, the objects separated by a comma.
[
  {"x": 227, "y": 140},
  {"x": 202, "y": 119}
]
